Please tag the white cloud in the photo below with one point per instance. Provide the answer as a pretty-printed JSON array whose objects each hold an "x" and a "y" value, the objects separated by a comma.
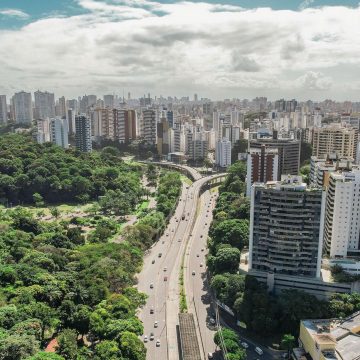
[
  {"x": 314, "y": 81},
  {"x": 14, "y": 13},
  {"x": 184, "y": 47}
]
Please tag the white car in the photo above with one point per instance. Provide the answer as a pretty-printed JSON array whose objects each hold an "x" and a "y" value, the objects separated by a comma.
[
  {"x": 157, "y": 342},
  {"x": 201, "y": 264},
  {"x": 212, "y": 321},
  {"x": 244, "y": 345},
  {"x": 156, "y": 324},
  {"x": 193, "y": 273},
  {"x": 151, "y": 336},
  {"x": 145, "y": 338}
]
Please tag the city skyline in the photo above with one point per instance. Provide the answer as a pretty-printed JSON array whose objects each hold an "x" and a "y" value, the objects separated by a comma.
[{"x": 306, "y": 50}]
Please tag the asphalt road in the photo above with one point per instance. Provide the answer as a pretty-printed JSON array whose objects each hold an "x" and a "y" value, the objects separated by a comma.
[{"x": 164, "y": 295}]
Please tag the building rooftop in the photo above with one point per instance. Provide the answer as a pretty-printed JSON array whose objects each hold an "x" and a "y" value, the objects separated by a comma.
[{"x": 341, "y": 335}]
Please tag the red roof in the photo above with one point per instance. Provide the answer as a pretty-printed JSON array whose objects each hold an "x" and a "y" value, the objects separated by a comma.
[{"x": 52, "y": 345}]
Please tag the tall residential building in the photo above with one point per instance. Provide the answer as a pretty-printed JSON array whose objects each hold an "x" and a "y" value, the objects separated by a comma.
[
  {"x": 288, "y": 153},
  {"x": 342, "y": 219},
  {"x": 83, "y": 133},
  {"x": 149, "y": 119},
  {"x": 286, "y": 227},
  {"x": 3, "y": 110},
  {"x": 125, "y": 125},
  {"x": 170, "y": 118},
  {"x": 59, "y": 132},
  {"x": 334, "y": 139},
  {"x": 70, "y": 117},
  {"x": 262, "y": 166},
  {"x": 44, "y": 105},
  {"x": 73, "y": 104},
  {"x": 197, "y": 146},
  {"x": 43, "y": 130},
  {"x": 22, "y": 107},
  {"x": 62, "y": 107},
  {"x": 179, "y": 138},
  {"x": 103, "y": 123},
  {"x": 162, "y": 141},
  {"x": 223, "y": 153},
  {"x": 109, "y": 101}
]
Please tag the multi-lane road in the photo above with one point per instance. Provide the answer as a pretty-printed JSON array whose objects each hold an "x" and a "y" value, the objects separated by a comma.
[{"x": 183, "y": 240}]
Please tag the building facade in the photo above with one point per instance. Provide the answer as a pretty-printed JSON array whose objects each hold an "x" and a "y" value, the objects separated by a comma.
[
  {"x": 3, "y": 110},
  {"x": 149, "y": 121},
  {"x": 223, "y": 153},
  {"x": 83, "y": 133},
  {"x": 59, "y": 132},
  {"x": 22, "y": 108},
  {"x": 286, "y": 228},
  {"x": 262, "y": 166},
  {"x": 334, "y": 139},
  {"x": 44, "y": 105}
]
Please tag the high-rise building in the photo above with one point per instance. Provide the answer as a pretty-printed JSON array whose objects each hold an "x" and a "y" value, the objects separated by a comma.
[
  {"x": 262, "y": 166},
  {"x": 223, "y": 153},
  {"x": 342, "y": 219},
  {"x": 43, "y": 130},
  {"x": 59, "y": 132},
  {"x": 73, "y": 104},
  {"x": 334, "y": 139},
  {"x": 109, "y": 101},
  {"x": 170, "y": 118},
  {"x": 149, "y": 119},
  {"x": 162, "y": 141},
  {"x": 125, "y": 124},
  {"x": 286, "y": 227},
  {"x": 103, "y": 124},
  {"x": 197, "y": 146},
  {"x": 83, "y": 133},
  {"x": 22, "y": 107},
  {"x": 288, "y": 153},
  {"x": 44, "y": 105},
  {"x": 62, "y": 107},
  {"x": 3, "y": 110},
  {"x": 70, "y": 117}
]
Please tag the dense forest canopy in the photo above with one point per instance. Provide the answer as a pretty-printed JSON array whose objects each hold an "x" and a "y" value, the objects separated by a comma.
[{"x": 28, "y": 168}]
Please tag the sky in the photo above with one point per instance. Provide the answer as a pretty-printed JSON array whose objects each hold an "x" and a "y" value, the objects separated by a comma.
[{"x": 305, "y": 49}]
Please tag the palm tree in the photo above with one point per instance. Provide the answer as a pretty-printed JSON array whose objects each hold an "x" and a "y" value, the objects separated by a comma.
[{"x": 288, "y": 343}]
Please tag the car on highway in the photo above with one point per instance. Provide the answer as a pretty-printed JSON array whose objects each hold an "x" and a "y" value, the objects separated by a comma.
[
  {"x": 151, "y": 310},
  {"x": 201, "y": 236},
  {"x": 193, "y": 273},
  {"x": 201, "y": 264},
  {"x": 165, "y": 268},
  {"x": 157, "y": 342},
  {"x": 153, "y": 262},
  {"x": 210, "y": 355},
  {"x": 202, "y": 249},
  {"x": 258, "y": 351},
  {"x": 151, "y": 336},
  {"x": 156, "y": 324},
  {"x": 165, "y": 278},
  {"x": 151, "y": 286},
  {"x": 145, "y": 338},
  {"x": 167, "y": 234},
  {"x": 197, "y": 255},
  {"x": 244, "y": 345},
  {"x": 160, "y": 255}
]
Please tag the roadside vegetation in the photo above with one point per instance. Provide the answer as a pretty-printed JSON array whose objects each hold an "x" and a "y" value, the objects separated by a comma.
[{"x": 64, "y": 282}]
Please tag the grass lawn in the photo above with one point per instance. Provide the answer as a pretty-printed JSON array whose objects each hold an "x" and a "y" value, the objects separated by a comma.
[{"x": 185, "y": 179}]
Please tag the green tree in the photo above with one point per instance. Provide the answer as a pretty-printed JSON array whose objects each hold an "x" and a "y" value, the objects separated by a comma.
[
  {"x": 107, "y": 350},
  {"x": 288, "y": 343},
  {"x": 132, "y": 347},
  {"x": 67, "y": 344},
  {"x": 14, "y": 347},
  {"x": 227, "y": 260},
  {"x": 42, "y": 355},
  {"x": 55, "y": 212},
  {"x": 38, "y": 200}
]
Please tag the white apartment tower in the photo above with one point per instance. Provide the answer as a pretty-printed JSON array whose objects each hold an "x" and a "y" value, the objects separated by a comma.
[
  {"x": 3, "y": 110},
  {"x": 342, "y": 219},
  {"x": 44, "y": 105},
  {"x": 223, "y": 153},
  {"x": 59, "y": 132},
  {"x": 22, "y": 107}
]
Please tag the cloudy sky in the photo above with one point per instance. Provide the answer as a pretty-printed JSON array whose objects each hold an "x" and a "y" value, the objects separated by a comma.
[{"x": 227, "y": 48}]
